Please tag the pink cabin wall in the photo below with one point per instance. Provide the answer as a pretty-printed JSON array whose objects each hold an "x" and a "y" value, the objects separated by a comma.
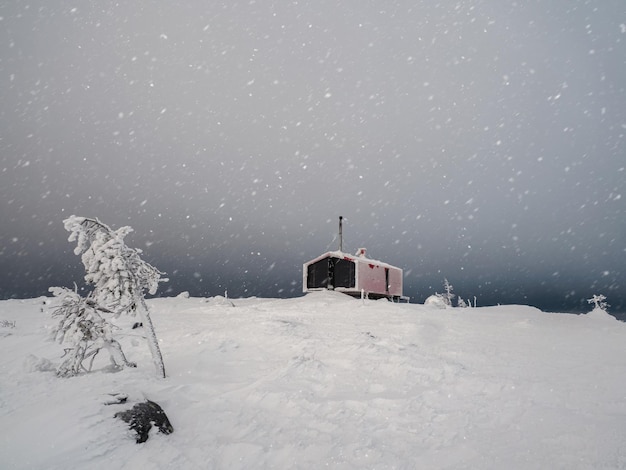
[
  {"x": 395, "y": 282},
  {"x": 372, "y": 279}
]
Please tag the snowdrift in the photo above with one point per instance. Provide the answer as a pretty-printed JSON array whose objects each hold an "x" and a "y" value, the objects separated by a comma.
[{"x": 325, "y": 381}]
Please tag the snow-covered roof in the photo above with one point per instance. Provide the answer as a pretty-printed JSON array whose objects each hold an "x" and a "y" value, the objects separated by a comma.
[{"x": 354, "y": 258}]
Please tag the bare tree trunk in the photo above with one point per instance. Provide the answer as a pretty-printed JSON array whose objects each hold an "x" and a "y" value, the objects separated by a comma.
[{"x": 153, "y": 342}]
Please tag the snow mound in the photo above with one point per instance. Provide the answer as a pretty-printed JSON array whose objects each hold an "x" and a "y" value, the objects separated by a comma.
[
  {"x": 218, "y": 301},
  {"x": 435, "y": 301},
  {"x": 33, "y": 363},
  {"x": 602, "y": 315}
]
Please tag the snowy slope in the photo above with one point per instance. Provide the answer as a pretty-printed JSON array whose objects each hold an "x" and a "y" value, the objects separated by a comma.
[{"x": 326, "y": 381}]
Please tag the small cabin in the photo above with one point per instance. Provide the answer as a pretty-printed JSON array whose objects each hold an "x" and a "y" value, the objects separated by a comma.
[{"x": 353, "y": 275}]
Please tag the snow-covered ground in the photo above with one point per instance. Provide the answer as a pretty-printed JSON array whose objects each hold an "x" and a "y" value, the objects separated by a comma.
[{"x": 325, "y": 381}]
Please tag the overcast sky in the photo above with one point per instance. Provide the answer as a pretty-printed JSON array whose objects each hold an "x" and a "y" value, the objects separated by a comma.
[{"x": 482, "y": 141}]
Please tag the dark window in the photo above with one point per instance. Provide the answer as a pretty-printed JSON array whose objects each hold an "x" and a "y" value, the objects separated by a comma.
[
  {"x": 317, "y": 274},
  {"x": 344, "y": 273},
  {"x": 330, "y": 273}
]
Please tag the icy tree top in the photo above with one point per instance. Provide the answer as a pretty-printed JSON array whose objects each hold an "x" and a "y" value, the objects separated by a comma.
[{"x": 117, "y": 271}]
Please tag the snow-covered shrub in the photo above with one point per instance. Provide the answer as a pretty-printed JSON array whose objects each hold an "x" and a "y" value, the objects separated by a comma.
[
  {"x": 599, "y": 302},
  {"x": 444, "y": 300},
  {"x": 219, "y": 300},
  {"x": 436, "y": 300},
  {"x": 7, "y": 324},
  {"x": 83, "y": 327},
  {"x": 119, "y": 277}
]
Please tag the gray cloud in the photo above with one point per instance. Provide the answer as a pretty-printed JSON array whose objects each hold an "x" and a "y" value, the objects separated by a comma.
[{"x": 478, "y": 140}]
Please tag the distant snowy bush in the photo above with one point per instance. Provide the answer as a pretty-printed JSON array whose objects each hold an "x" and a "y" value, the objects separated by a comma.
[
  {"x": 445, "y": 300},
  {"x": 219, "y": 300},
  {"x": 7, "y": 324},
  {"x": 448, "y": 296},
  {"x": 599, "y": 302},
  {"x": 436, "y": 301}
]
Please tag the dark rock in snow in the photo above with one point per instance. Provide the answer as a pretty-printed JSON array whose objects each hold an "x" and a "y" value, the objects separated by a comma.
[{"x": 142, "y": 416}]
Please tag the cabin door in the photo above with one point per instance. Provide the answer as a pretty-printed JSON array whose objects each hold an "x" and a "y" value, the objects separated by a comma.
[{"x": 387, "y": 280}]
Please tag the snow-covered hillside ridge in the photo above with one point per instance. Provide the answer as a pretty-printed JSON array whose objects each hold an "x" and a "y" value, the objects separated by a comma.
[{"x": 324, "y": 381}]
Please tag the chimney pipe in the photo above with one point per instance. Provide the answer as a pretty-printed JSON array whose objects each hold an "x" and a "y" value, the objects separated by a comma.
[{"x": 340, "y": 233}]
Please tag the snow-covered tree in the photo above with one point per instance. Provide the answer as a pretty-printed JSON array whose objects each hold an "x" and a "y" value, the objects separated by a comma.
[
  {"x": 83, "y": 326},
  {"x": 448, "y": 296},
  {"x": 119, "y": 276},
  {"x": 599, "y": 302}
]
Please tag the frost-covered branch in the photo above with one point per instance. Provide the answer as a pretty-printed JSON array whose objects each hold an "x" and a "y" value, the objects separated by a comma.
[{"x": 82, "y": 327}]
